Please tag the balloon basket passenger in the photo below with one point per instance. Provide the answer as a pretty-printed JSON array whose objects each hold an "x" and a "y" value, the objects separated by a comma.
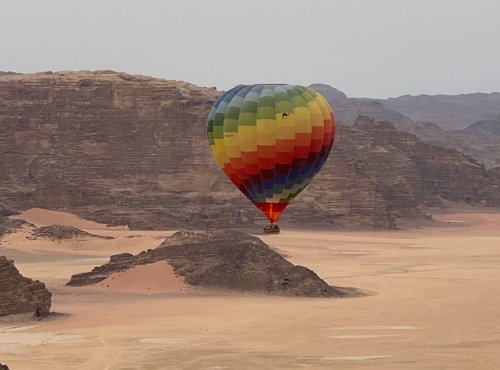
[{"x": 271, "y": 229}]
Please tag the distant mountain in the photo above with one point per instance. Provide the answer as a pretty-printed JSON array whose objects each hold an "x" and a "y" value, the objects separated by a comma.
[
  {"x": 447, "y": 111},
  {"x": 329, "y": 93},
  {"x": 477, "y": 142},
  {"x": 2, "y": 73},
  {"x": 491, "y": 127},
  {"x": 348, "y": 109},
  {"x": 481, "y": 140}
]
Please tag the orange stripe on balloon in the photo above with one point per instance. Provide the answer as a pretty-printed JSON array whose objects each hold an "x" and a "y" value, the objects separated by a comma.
[
  {"x": 303, "y": 138},
  {"x": 266, "y": 151},
  {"x": 283, "y": 145}
]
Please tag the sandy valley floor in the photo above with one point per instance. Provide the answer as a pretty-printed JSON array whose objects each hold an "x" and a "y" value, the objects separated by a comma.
[{"x": 433, "y": 303}]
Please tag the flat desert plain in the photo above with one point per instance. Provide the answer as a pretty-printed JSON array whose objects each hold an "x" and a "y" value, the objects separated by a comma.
[{"x": 433, "y": 302}]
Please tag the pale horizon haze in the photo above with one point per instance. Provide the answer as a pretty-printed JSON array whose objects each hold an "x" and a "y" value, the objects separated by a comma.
[{"x": 366, "y": 48}]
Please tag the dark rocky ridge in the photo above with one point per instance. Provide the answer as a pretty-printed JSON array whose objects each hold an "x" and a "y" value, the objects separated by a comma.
[
  {"x": 486, "y": 127},
  {"x": 132, "y": 150},
  {"x": 451, "y": 112},
  {"x": 348, "y": 109},
  {"x": 480, "y": 140},
  {"x": 6, "y": 73},
  {"x": 224, "y": 260},
  {"x": 4, "y": 367},
  {"x": 62, "y": 232},
  {"x": 19, "y": 294}
]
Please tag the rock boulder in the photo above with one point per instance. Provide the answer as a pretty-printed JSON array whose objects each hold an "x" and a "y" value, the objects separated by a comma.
[{"x": 19, "y": 294}]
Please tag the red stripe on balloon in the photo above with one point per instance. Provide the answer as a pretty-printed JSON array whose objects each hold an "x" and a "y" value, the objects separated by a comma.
[
  {"x": 272, "y": 210},
  {"x": 267, "y": 163},
  {"x": 284, "y": 158}
]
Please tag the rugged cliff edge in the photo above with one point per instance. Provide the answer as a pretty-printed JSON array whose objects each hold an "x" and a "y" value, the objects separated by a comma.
[
  {"x": 19, "y": 294},
  {"x": 224, "y": 260}
]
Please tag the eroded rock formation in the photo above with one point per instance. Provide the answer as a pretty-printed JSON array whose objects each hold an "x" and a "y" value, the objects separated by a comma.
[
  {"x": 223, "y": 259},
  {"x": 19, "y": 294},
  {"x": 62, "y": 232}
]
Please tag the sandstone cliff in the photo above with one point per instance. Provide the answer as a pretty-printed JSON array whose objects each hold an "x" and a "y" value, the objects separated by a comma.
[
  {"x": 19, "y": 294},
  {"x": 225, "y": 260},
  {"x": 132, "y": 150}
]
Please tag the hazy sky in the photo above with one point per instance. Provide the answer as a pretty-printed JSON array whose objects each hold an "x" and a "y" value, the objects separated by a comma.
[{"x": 370, "y": 48}]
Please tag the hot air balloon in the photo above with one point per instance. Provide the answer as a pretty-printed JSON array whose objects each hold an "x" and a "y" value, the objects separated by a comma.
[{"x": 271, "y": 140}]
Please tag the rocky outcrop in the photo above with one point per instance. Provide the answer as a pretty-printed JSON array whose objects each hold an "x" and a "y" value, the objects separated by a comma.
[
  {"x": 132, "y": 150},
  {"x": 7, "y": 224},
  {"x": 19, "y": 294},
  {"x": 224, "y": 260},
  {"x": 4, "y": 367},
  {"x": 62, "y": 232}
]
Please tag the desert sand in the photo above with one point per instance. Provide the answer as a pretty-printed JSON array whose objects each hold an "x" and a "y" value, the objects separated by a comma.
[
  {"x": 158, "y": 277},
  {"x": 433, "y": 303}
]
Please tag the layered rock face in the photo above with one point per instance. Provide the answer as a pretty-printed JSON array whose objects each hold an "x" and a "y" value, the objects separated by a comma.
[
  {"x": 19, "y": 294},
  {"x": 132, "y": 150},
  {"x": 409, "y": 172},
  {"x": 111, "y": 146},
  {"x": 225, "y": 260}
]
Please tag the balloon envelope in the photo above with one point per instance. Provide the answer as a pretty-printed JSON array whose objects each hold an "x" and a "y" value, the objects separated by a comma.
[{"x": 270, "y": 140}]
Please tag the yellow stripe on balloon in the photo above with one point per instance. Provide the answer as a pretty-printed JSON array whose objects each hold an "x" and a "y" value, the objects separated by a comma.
[{"x": 302, "y": 120}]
